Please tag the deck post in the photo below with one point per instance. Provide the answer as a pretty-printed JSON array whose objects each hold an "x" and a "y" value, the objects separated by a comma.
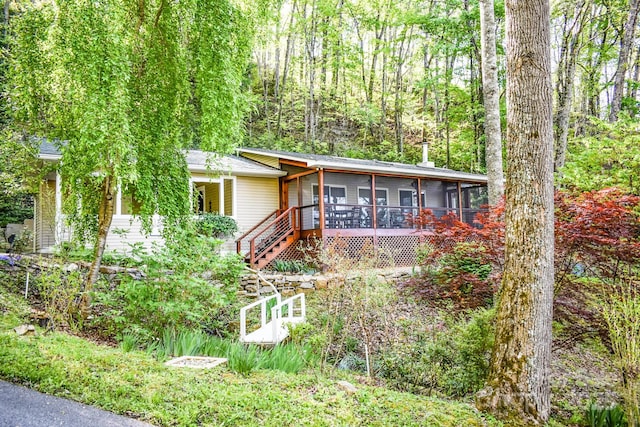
[
  {"x": 374, "y": 203},
  {"x": 321, "y": 198},
  {"x": 460, "y": 200}
]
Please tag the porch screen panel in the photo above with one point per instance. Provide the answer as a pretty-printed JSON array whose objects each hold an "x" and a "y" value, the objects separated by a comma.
[
  {"x": 309, "y": 213},
  {"x": 474, "y": 198},
  {"x": 403, "y": 195},
  {"x": 434, "y": 196}
]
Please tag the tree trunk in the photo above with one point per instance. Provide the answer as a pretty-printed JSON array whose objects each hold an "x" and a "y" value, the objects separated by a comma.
[
  {"x": 491, "y": 98},
  {"x": 285, "y": 71},
  {"x": 105, "y": 215},
  {"x": 623, "y": 59},
  {"x": 633, "y": 89},
  {"x": 566, "y": 75},
  {"x": 517, "y": 390}
]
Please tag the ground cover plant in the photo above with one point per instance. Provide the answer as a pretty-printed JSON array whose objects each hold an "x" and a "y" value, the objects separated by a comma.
[{"x": 136, "y": 384}]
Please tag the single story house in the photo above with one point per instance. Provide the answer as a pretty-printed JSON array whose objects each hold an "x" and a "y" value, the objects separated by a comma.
[
  {"x": 238, "y": 187},
  {"x": 278, "y": 198},
  {"x": 364, "y": 203}
]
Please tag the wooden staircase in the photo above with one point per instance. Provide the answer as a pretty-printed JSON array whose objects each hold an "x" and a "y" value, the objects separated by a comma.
[{"x": 272, "y": 236}]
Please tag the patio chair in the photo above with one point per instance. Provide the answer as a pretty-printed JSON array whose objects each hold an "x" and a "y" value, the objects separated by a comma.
[{"x": 397, "y": 219}]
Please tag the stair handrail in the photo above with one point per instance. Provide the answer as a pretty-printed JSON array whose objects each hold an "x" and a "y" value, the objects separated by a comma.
[
  {"x": 239, "y": 240},
  {"x": 293, "y": 226}
]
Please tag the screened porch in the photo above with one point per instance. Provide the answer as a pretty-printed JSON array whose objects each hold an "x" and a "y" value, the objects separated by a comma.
[{"x": 359, "y": 203}]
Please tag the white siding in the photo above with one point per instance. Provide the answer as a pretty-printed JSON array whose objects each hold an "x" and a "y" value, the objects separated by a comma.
[{"x": 134, "y": 234}]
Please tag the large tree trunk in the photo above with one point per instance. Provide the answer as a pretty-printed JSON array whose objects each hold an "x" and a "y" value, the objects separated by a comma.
[
  {"x": 105, "y": 215},
  {"x": 491, "y": 97},
  {"x": 623, "y": 59},
  {"x": 517, "y": 389}
]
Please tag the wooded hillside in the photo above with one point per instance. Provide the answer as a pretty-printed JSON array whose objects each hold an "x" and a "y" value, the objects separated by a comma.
[{"x": 377, "y": 78}]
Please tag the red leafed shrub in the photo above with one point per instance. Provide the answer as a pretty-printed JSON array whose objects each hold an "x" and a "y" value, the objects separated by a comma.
[
  {"x": 597, "y": 243},
  {"x": 461, "y": 263},
  {"x": 597, "y": 249}
]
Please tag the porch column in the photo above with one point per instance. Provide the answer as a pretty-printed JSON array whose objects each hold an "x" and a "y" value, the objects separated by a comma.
[
  {"x": 321, "y": 197},
  {"x": 374, "y": 202},
  {"x": 221, "y": 197},
  {"x": 460, "y": 200},
  {"x": 58, "y": 217}
]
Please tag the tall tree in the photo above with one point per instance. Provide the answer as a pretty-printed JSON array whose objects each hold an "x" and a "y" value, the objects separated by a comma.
[
  {"x": 626, "y": 43},
  {"x": 569, "y": 50},
  {"x": 517, "y": 389},
  {"x": 491, "y": 96},
  {"x": 127, "y": 86}
]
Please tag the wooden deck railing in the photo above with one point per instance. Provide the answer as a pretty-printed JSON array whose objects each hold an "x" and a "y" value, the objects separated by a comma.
[{"x": 268, "y": 234}]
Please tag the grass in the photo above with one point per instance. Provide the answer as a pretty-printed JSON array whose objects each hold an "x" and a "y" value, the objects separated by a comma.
[{"x": 136, "y": 384}]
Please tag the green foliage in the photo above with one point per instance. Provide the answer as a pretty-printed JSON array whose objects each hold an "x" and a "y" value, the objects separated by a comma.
[
  {"x": 129, "y": 343},
  {"x": 15, "y": 209},
  {"x": 610, "y": 157},
  {"x": 60, "y": 293},
  {"x": 612, "y": 416},
  {"x": 187, "y": 284},
  {"x": 242, "y": 359},
  {"x": 453, "y": 360},
  {"x": 215, "y": 225},
  {"x": 14, "y": 309},
  {"x": 138, "y": 386},
  {"x": 128, "y": 86},
  {"x": 621, "y": 311},
  {"x": 289, "y": 265}
]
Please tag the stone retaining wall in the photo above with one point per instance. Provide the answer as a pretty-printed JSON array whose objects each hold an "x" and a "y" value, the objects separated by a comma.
[{"x": 289, "y": 283}]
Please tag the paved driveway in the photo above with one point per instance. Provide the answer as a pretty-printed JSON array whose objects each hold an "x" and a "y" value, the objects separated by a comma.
[{"x": 22, "y": 407}]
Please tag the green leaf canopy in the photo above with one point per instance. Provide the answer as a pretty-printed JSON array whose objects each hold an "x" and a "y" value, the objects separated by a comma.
[{"x": 128, "y": 85}]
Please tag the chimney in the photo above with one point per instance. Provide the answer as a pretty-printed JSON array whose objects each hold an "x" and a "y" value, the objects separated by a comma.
[{"x": 425, "y": 156}]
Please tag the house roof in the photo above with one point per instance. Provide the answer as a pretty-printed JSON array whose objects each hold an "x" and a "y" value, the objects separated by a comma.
[
  {"x": 360, "y": 165},
  {"x": 197, "y": 161},
  {"x": 201, "y": 161}
]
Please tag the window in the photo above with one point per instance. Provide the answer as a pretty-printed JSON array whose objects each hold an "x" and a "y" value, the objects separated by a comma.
[
  {"x": 332, "y": 194},
  {"x": 408, "y": 198},
  {"x": 364, "y": 196}
]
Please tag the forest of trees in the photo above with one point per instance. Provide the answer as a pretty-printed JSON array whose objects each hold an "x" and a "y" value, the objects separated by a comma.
[{"x": 379, "y": 78}]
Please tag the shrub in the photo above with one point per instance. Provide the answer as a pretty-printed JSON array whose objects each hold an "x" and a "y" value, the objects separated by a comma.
[
  {"x": 613, "y": 416},
  {"x": 453, "y": 359},
  {"x": 215, "y": 225},
  {"x": 289, "y": 266},
  {"x": 461, "y": 274},
  {"x": 60, "y": 293},
  {"x": 621, "y": 311},
  {"x": 187, "y": 284}
]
